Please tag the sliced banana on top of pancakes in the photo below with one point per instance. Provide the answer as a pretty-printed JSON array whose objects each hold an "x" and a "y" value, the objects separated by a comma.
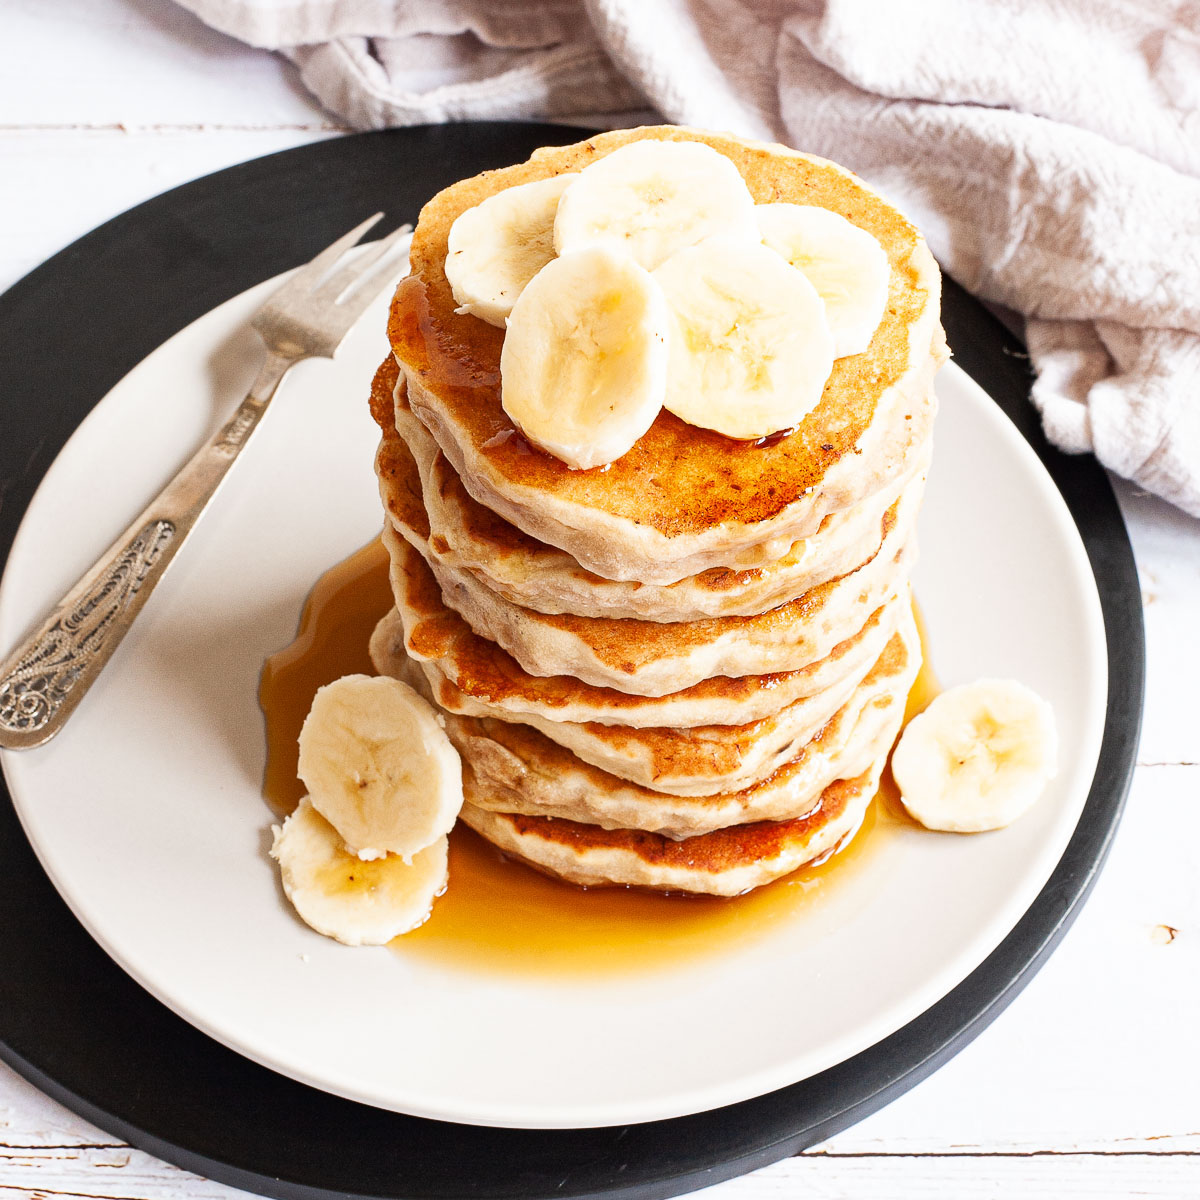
[
  {"x": 750, "y": 346},
  {"x": 847, "y": 266},
  {"x": 660, "y": 244},
  {"x": 651, "y": 199},
  {"x": 498, "y": 246},
  {"x": 585, "y": 359}
]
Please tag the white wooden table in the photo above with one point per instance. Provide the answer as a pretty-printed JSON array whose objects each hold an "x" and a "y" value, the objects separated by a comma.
[{"x": 1086, "y": 1086}]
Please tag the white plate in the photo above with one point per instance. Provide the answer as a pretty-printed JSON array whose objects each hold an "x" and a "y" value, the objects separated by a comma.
[{"x": 146, "y": 810}]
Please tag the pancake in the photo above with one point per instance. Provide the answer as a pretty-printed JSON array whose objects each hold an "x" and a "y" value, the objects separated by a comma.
[
  {"x": 550, "y": 783},
  {"x": 711, "y": 759},
  {"x": 460, "y": 533},
  {"x": 683, "y": 499},
  {"x": 472, "y": 675},
  {"x": 642, "y": 657},
  {"x": 725, "y": 862},
  {"x": 529, "y": 773},
  {"x": 650, "y": 658},
  {"x": 653, "y": 658}
]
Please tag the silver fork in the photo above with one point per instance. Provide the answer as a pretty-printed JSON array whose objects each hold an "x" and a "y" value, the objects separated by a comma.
[{"x": 46, "y": 676}]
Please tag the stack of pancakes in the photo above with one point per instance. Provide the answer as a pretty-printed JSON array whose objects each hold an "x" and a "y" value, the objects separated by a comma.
[{"x": 684, "y": 670}]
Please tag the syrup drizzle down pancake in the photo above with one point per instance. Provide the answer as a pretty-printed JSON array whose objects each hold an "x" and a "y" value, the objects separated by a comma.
[
  {"x": 466, "y": 536},
  {"x": 657, "y": 658},
  {"x": 682, "y": 499}
]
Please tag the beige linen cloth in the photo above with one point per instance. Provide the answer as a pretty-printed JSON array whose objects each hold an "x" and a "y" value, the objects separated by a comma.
[{"x": 1050, "y": 151}]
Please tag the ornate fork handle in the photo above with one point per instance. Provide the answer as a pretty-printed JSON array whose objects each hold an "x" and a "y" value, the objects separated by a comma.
[{"x": 48, "y": 673}]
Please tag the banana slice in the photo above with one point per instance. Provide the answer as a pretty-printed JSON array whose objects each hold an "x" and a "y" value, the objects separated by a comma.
[
  {"x": 846, "y": 265},
  {"x": 977, "y": 758},
  {"x": 750, "y": 348},
  {"x": 379, "y": 767},
  {"x": 584, "y": 366},
  {"x": 497, "y": 247},
  {"x": 358, "y": 903},
  {"x": 650, "y": 199}
]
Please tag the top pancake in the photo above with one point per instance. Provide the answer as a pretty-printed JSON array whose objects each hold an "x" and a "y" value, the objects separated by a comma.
[
  {"x": 683, "y": 499},
  {"x": 417, "y": 484}
]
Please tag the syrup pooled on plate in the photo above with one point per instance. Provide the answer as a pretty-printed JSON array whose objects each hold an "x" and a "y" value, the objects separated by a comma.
[
  {"x": 499, "y": 914},
  {"x": 342, "y": 609}
]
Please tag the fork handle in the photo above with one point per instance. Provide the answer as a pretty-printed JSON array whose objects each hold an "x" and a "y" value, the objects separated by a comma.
[{"x": 47, "y": 674}]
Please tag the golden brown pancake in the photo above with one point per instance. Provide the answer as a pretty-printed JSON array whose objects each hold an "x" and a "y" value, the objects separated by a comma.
[
  {"x": 553, "y": 784},
  {"x": 472, "y": 674},
  {"x": 656, "y": 658},
  {"x": 683, "y": 499},
  {"x": 463, "y": 535},
  {"x": 652, "y": 658},
  {"x": 529, "y": 773},
  {"x": 726, "y": 862},
  {"x": 709, "y": 758}
]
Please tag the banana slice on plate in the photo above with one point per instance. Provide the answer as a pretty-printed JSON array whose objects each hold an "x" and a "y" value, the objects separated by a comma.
[
  {"x": 651, "y": 199},
  {"x": 583, "y": 369},
  {"x": 846, "y": 265},
  {"x": 378, "y": 766},
  {"x": 357, "y": 903},
  {"x": 497, "y": 247},
  {"x": 977, "y": 758},
  {"x": 750, "y": 346}
]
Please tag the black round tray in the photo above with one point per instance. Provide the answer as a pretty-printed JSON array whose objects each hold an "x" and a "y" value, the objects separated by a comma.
[{"x": 74, "y": 1024}]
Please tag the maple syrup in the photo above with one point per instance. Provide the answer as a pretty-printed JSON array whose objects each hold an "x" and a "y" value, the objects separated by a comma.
[
  {"x": 342, "y": 609},
  {"x": 501, "y": 914}
]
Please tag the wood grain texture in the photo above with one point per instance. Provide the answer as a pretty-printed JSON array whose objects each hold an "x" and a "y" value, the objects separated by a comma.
[{"x": 1084, "y": 1087}]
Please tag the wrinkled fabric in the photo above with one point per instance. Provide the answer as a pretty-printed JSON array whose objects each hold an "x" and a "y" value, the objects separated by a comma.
[{"x": 1049, "y": 151}]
